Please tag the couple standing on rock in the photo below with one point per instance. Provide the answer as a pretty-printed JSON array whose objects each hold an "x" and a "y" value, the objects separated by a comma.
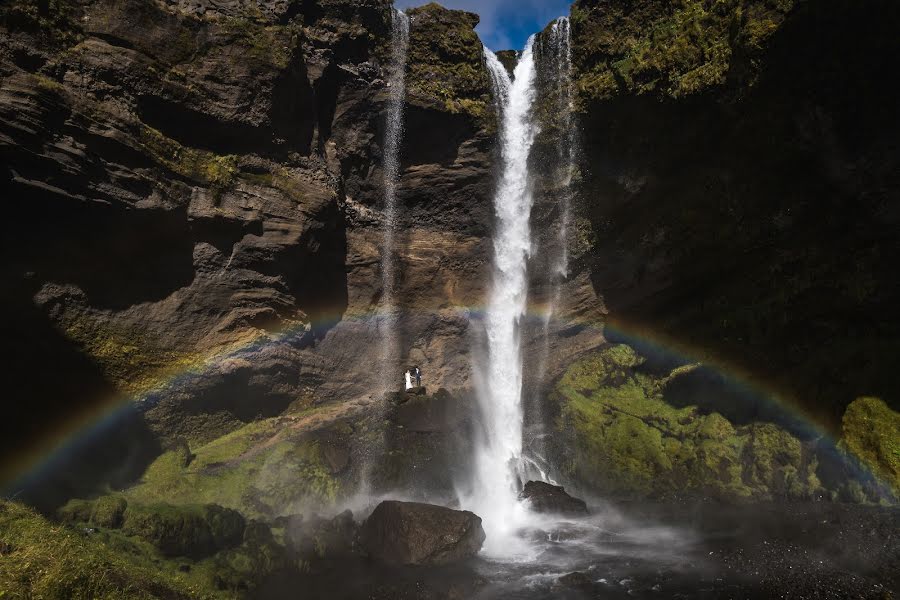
[{"x": 413, "y": 374}]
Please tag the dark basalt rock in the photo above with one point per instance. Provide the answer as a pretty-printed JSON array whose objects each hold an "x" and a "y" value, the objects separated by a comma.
[
  {"x": 410, "y": 533},
  {"x": 318, "y": 539},
  {"x": 546, "y": 498}
]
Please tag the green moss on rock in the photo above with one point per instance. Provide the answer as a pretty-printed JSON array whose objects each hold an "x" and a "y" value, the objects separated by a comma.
[
  {"x": 217, "y": 171},
  {"x": 445, "y": 65},
  {"x": 623, "y": 438},
  {"x": 106, "y": 511},
  {"x": 871, "y": 431},
  {"x": 669, "y": 49},
  {"x": 54, "y": 562},
  {"x": 194, "y": 531},
  {"x": 246, "y": 470}
]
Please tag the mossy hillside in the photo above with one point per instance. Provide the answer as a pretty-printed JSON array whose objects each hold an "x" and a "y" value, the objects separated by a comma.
[
  {"x": 209, "y": 547},
  {"x": 626, "y": 439},
  {"x": 54, "y": 562},
  {"x": 672, "y": 49},
  {"x": 193, "y": 530},
  {"x": 251, "y": 470},
  {"x": 107, "y": 511},
  {"x": 445, "y": 63},
  {"x": 871, "y": 432}
]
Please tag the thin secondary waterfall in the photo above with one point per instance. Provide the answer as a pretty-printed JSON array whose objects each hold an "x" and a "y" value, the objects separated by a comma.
[
  {"x": 391, "y": 168},
  {"x": 560, "y": 55},
  {"x": 553, "y": 55},
  {"x": 498, "y": 461}
]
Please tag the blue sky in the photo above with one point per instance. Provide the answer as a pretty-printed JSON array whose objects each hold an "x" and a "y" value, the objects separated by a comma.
[{"x": 505, "y": 24}]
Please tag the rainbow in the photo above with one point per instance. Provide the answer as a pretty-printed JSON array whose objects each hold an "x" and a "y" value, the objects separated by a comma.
[{"x": 105, "y": 411}]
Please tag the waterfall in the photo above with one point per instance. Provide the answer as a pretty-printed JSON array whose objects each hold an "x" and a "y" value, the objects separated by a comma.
[
  {"x": 550, "y": 268},
  {"x": 560, "y": 51},
  {"x": 391, "y": 169},
  {"x": 498, "y": 460}
]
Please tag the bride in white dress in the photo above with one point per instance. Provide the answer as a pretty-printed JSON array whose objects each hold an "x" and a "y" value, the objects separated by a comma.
[{"x": 409, "y": 383}]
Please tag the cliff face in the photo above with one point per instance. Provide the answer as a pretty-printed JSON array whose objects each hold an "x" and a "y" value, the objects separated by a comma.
[
  {"x": 194, "y": 220},
  {"x": 197, "y": 181},
  {"x": 740, "y": 181}
]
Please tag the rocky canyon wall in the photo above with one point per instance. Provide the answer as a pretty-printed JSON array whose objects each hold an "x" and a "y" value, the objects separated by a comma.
[{"x": 194, "y": 196}]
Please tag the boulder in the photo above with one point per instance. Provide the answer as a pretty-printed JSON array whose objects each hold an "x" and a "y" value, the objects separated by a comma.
[
  {"x": 411, "y": 533},
  {"x": 546, "y": 498}
]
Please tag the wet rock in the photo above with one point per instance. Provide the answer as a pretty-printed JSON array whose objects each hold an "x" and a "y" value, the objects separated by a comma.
[
  {"x": 430, "y": 414},
  {"x": 337, "y": 457},
  {"x": 546, "y": 498},
  {"x": 322, "y": 539},
  {"x": 410, "y": 533},
  {"x": 576, "y": 580}
]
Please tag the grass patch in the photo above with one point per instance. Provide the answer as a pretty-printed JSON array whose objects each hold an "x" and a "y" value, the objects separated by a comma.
[
  {"x": 242, "y": 471},
  {"x": 53, "y": 562}
]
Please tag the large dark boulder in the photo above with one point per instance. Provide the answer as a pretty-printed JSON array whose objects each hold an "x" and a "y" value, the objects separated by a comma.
[
  {"x": 545, "y": 498},
  {"x": 410, "y": 533}
]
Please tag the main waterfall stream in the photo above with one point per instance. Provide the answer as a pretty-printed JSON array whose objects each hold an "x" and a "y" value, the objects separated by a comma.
[{"x": 499, "y": 458}]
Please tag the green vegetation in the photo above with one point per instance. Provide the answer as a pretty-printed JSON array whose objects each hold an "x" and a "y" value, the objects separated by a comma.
[
  {"x": 252, "y": 470},
  {"x": 44, "y": 560},
  {"x": 214, "y": 170},
  {"x": 267, "y": 45},
  {"x": 190, "y": 530},
  {"x": 626, "y": 439},
  {"x": 670, "y": 49},
  {"x": 107, "y": 511},
  {"x": 871, "y": 432},
  {"x": 445, "y": 61}
]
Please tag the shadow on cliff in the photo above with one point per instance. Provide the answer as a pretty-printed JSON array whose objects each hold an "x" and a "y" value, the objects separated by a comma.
[
  {"x": 49, "y": 385},
  {"x": 758, "y": 225},
  {"x": 116, "y": 255}
]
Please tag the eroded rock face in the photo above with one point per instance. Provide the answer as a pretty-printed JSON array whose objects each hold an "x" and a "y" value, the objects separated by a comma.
[
  {"x": 195, "y": 188},
  {"x": 547, "y": 498},
  {"x": 410, "y": 533}
]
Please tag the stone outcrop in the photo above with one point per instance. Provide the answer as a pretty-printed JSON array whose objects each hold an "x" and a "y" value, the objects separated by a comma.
[
  {"x": 547, "y": 498},
  {"x": 409, "y": 533}
]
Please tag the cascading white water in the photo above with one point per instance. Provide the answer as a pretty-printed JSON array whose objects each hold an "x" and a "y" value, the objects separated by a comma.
[
  {"x": 498, "y": 460},
  {"x": 391, "y": 168},
  {"x": 559, "y": 40}
]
